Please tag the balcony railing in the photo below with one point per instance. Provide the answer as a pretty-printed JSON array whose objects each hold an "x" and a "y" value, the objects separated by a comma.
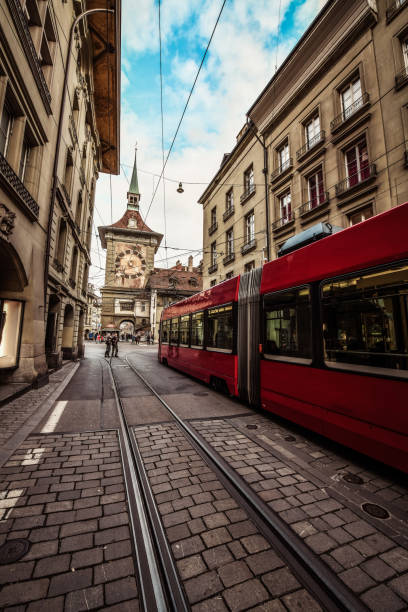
[
  {"x": 249, "y": 190},
  {"x": 212, "y": 228},
  {"x": 314, "y": 204},
  {"x": 401, "y": 78},
  {"x": 229, "y": 258},
  {"x": 394, "y": 7},
  {"x": 283, "y": 221},
  {"x": 213, "y": 268},
  {"x": 248, "y": 246},
  {"x": 356, "y": 179},
  {"x": 72, "y": 283},
  {"x": 349, "y": 111},
  {"x": 12, "y": 183},
  {"x": 312, "y": 142},
  {"x": 228, "y": 213},
  {"x": 57, "y": 265},
  {"x": 282, "y": 169}
]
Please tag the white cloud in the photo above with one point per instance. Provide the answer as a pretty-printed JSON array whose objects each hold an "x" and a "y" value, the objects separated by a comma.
[{"x": 242, "y": 59}]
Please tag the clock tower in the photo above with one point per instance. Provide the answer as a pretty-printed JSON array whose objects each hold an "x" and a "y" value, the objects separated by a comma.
[{"x": 131, "y": 246}]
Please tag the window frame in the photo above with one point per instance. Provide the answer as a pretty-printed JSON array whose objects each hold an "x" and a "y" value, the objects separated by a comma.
[
  {"x": 229, "y": 241},
  {"x": 359, "y": 370},
  {"x": 213, "y": 349},
  {"x": 189, "y": 329},
  {"x": 249, "y": 227},
  {"x": 229, "y": 200},
  {"x": 306, "y": 361},
  {"x": 283, "y": 163},
  {"x": 197, "y": 346},
  {"x": 249, "y": 179},
  {"x": 281, "y": 197}
]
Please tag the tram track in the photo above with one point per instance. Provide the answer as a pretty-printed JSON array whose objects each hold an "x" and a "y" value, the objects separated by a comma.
[{"x": 158, "y": 574}]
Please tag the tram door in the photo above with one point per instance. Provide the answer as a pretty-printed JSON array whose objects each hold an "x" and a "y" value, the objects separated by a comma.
[{"x": 248, "y": 336}]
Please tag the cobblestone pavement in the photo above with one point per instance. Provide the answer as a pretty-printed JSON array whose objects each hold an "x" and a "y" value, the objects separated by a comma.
[
  {"x": 14, "y": 414},
  {"x": 65, "y": 494},
  {"x": 332, "y": 461},
  {"x": 369, "y": 555},
  {"x": 223, "y": 560}
]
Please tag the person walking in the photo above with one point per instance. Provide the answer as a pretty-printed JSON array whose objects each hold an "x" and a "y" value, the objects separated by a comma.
[
  {"x": 115, "y": 342},
  {"x": 108, "y": 343}
]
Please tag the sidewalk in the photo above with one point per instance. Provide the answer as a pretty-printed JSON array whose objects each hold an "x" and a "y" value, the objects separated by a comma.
[{"x": 20, "y": 416}]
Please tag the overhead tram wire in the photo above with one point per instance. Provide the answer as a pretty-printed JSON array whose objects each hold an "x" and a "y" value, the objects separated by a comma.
[
  {"x": 185, "y": 107},
  {"x": 162, "y": 134}
]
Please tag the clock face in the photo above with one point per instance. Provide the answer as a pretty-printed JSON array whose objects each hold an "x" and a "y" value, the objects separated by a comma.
[{"x": 130, "y": 265}]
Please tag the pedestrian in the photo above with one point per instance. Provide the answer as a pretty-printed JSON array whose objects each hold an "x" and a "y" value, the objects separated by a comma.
[
  {"x": 115, "y": 342},
  {"x": 108, "y": 343},
  {"x": 137, "y": 337}
]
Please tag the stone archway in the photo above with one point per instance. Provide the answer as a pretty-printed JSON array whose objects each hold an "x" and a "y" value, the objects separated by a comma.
[
  {"x": 12, "y": 274},
  {"x": 127, "y": 329},
  {"x": 68, "y": 332}
]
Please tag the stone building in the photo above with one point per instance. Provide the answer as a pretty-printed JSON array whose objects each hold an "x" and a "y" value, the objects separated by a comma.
[
  {"x": 135, "y": 291},
  {"x": 329, "y": 134},
  {"x": 93, "y": 312},
  {"x": 59, "y": 123}
]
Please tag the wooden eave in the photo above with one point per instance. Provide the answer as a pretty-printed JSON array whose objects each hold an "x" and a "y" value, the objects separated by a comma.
[{"x": 105, "y": 33}]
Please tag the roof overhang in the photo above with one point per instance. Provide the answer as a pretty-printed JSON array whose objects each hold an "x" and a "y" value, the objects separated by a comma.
[{"x": 105, "y": 32}]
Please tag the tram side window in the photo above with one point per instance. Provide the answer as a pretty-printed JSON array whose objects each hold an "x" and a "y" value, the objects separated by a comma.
[
  {"x": 288, "y": 324},
  {"x": 165, "y": 331},
  {"x": 197, "y": 329},
  {"x": 174, "y": 331},
  {"x": 185, "y": 330},
  {"x": 220, "y": 327},
  {"x": 365, "y": 320}
]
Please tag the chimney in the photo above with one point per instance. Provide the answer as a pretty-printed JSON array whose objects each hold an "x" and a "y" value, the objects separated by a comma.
[{"x": 190, "y": 263}]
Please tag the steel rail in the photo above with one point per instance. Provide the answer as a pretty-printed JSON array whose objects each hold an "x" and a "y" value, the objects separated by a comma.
[
  {"x": 331, "y": 592},
  {"x": 158, "y": 557},
  {"x": 150, "y": 582}
]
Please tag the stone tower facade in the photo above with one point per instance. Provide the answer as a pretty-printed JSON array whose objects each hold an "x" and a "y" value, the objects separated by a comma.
[{"x": 131, "y": 246}]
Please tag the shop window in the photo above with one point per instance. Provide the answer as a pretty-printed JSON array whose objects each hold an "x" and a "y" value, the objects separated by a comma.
[
  {"x": 185, "y": 330},
  {"x": 288, "y": 325},
  {"x": 220, "y": 328},
  {"x": 197, "y": 329},
  {"x": 360, "y": 215},
  {"x": 365, "y": 321},
  {"x": 11, "y": 313},
  {"x": 174, "y": 331}
]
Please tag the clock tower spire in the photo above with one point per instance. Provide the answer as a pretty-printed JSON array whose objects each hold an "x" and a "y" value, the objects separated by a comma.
[{"x": 133, "y": 195}]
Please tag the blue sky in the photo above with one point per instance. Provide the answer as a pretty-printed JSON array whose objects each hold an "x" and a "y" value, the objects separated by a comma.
[{"x": 251, "y": 39}]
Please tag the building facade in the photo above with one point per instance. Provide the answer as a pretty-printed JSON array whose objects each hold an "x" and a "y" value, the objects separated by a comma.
[
  {"x": 135, "y": 292},
  {"x": 55, "y": 116},
  {"x": 330, "y": 133},
  {"x": 93, "y": 312}
]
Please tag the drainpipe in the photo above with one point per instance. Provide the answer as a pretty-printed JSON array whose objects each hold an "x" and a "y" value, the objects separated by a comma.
[
  {"x": 58, "y": 143},
  {"x": 265, "y": 171}
]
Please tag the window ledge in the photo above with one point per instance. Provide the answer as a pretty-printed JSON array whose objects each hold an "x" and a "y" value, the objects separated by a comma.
[
  {"x": 280, "y": 225},
  {"x": 283, "y": 172},
  {"x": 309, "y": 148},
  {"x": 248, "y": 194},
  {"x": 228, "y": 213},
  {"x": 393, "y": 10},
  {"x": 401, "y": 79},
  {"x": 342, "y": 188}
]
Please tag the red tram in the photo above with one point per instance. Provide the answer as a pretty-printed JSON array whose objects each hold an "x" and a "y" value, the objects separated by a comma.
[{"x": 318, "y": 336}]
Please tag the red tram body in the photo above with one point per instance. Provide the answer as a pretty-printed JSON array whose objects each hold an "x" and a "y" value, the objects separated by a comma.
[{"x": 318, "y": 336}]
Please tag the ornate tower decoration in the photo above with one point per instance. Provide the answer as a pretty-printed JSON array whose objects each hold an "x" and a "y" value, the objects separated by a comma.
[{"x": 131, "y": 246}]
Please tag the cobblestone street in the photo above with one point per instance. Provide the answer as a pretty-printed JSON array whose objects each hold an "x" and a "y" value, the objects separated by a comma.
[{"x": 65, "y": 501}]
